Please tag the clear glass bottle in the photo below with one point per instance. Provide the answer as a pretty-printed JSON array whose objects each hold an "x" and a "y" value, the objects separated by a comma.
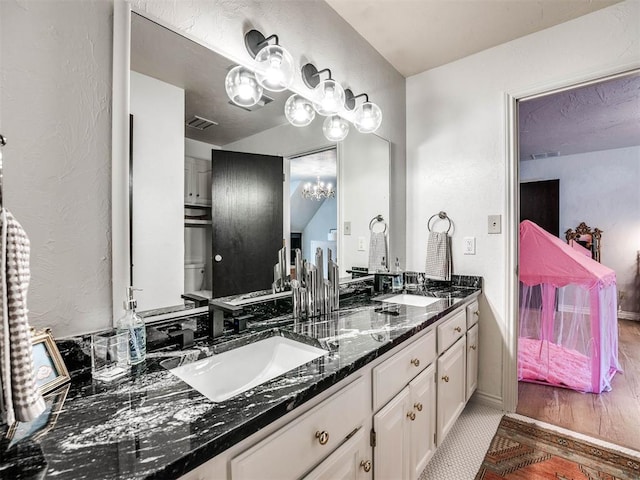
[
  {"x": 398, "y": 277},
  {"x": 131, "y": 323}
]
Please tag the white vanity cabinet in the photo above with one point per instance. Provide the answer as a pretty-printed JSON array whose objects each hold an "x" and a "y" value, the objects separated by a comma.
[
  {"x": 404, "y": 427},
  {"x": 310, "y": 439},
  {"x": 473, "y": 315},
  {"x": 405, "y": 430},
  {"x": 197, "y": 181},
  {"x": 351, "y": 461},
  {"x": 452, "y": 387}
]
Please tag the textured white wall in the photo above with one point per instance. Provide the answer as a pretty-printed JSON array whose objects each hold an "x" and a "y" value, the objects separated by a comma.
[
  {"x": 158, "y": 193},
  {"x": 601, "y": 189},
  {"x": 56, "y": 101},
  {"x": 456, "y": 146}
]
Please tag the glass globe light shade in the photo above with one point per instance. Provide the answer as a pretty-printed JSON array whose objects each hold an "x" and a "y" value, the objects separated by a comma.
[
  {"x": 328, "y": 97},
  {"x": 367, "y": 117},
  {"x": 275, "y": 68},
  {"x": 299, "y": 111},
  {"x": 242, "y": 87},
  {"x": 335, "y": 128}
]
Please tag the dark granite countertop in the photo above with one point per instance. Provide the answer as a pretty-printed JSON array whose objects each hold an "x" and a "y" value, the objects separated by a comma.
[{"x": 153, "y": 425}]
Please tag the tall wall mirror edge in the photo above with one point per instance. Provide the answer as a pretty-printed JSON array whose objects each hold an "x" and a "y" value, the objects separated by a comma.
[{"x": 123, "y": 219}]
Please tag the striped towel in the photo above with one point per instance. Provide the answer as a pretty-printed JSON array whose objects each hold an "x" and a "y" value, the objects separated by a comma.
[
  {"x": 378, "y": 256},
  {"x": 20, "y": 398},
  {"x": 438, "y": 264}
]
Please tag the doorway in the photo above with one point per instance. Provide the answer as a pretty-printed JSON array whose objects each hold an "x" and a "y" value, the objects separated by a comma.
[
  {"x": 570, "y": 406},
  {"x": 313, "y": 206}
]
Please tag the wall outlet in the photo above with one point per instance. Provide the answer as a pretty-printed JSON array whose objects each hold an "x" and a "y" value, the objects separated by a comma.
[
  {"x": 495, "y": 223},
  {"x": 469, "y": 245},
  {"x": 347, "y": 228},
  {"x": 362, "y": 246}
]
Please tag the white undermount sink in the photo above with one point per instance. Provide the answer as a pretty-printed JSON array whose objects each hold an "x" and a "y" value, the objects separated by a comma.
[
  {"x": 413, "y": 300},
  {"x": 227, "y": 374}
]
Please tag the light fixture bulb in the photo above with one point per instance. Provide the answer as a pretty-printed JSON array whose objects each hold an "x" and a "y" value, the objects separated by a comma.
[
  {"x": 242, "y": 87},
  {"x": 335, "y": 128},
  {"x": 274, "y": 68},
  {"x": 299, "y": 111},
  {"x": 328, "y": 97},
  {"x": 367, "y": 117}
]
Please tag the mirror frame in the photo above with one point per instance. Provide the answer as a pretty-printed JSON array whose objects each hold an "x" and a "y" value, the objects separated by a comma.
[{"x": 120, "y": 141}]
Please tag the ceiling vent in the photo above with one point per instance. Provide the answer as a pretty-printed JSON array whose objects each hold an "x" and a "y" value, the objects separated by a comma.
[
  {"x": 200, "y": 123},
  {"x": 264, "y": 100},
  {"x": 538, "y": 156}
]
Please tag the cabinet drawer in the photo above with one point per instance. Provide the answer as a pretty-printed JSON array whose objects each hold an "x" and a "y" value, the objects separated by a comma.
[
  {"x": 473, "y": 314},
  {"x": 295, "y": 448},
  {"x": 451, "y": 330},
  {"x": 394, "y": 374}
]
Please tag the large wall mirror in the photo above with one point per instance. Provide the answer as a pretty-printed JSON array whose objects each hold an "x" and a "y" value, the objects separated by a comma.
[{"x": 185, "y": 149}]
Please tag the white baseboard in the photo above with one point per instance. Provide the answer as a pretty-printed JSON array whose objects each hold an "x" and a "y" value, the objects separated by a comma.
[
  {"x": 488, "y": 400},
  {"x": 628, "y": 315}
]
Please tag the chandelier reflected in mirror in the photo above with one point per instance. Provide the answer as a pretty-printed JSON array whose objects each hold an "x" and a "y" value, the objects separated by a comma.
[{"x": 318, "y": 191}]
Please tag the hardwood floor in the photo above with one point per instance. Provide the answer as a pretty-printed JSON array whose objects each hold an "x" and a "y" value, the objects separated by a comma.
[{"x": 613, "y": 416}]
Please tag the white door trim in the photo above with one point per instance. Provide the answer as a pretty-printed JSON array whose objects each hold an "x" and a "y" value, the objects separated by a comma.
[{"x": 510, "y": 352}]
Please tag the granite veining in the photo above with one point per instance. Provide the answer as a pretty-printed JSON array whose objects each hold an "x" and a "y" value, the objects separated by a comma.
[{"x": 150, "y": 424}]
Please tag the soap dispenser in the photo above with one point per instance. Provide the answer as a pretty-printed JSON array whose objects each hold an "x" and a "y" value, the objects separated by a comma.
[{"x": 130, "y": 322}]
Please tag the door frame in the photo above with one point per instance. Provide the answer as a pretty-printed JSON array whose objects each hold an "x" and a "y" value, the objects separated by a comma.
[{"x": 512, "y": 212}]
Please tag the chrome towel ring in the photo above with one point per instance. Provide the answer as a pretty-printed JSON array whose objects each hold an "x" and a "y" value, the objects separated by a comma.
[
  {"x": 378, "y": 219},
  {"x": 441, "y": 216}
]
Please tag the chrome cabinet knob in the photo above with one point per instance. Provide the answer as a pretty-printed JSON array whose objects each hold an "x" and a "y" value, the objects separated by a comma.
[
  {"x": 473, "y": 347},
  {"x": 415, "y": 362},
  {"x": 323, "y": 437},
  {"x": 365, "y": 465},
  {"x": 458, "y": 329},
  {"x": 476, "y": 313},
  {"x": 418, "y": 406},
  {"x": 445, "y": 378},
  {"x": 218, "y": 258},
  {"x": 411, "y": 415}
]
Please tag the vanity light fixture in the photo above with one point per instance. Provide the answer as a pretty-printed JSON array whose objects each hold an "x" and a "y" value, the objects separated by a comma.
[
  {"x": 318, "y": 191},
  {"x": 242, "y": 87},
  {"x": 299, "y": 111},
  {"x": 367, "y": 117},
  {"x": 328, "y": 95},
  {"x": 274, "y": 64},
  {"x": 335, "y": 128}
]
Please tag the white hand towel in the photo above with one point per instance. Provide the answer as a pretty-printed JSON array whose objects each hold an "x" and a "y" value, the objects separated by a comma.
[
  {"x": 378, "y": 255},
  {"x": 438, "y": 263},
  {"x": 21, "y": 399}
]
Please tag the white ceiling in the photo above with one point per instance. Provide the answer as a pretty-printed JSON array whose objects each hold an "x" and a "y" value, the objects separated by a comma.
[{"x": 417, "y": 35}]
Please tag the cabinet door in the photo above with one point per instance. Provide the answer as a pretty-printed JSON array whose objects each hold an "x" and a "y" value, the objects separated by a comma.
[
  {"x": 452, "y": 387},
  {"x": 392, "y": 450},
  {"x": 352, "y": 461},
  {"x": 472, "y": 360},
  {"x": 189, "y": 181},
  {"x": 202, "y": 176},
  {"x": 423, "y": 427},
  {"x": 473, "y": 314}
]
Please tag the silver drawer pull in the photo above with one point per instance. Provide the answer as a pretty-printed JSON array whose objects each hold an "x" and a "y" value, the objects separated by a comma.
[
  {"x": 366, "y": 465},
  {"x": 323, "y": 437},
  {"x": 458, "y": 329},
  {"x": 418, "y": 406},
  {"x": 416, "y": 362},
  {"x": 411, "y": 415},
  {"x": 445, "y": 378}
]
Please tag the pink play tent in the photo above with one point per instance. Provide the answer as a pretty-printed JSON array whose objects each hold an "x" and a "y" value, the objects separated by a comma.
[{"x": 568, "y": 322}]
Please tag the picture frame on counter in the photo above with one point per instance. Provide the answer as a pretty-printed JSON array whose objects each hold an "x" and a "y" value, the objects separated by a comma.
[{"x": 49, "y": 369}]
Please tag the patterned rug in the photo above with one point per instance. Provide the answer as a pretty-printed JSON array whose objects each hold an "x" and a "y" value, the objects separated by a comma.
[{"x": 525, "y": 451}]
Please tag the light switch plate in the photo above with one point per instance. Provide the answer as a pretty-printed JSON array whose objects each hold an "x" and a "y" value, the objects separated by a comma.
[
  {"x": 469, "y": 245},
  {"x": 347, "y": 228},
  {"x": 495, "y": 224},
  {"x": 361, "y": 244}
]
